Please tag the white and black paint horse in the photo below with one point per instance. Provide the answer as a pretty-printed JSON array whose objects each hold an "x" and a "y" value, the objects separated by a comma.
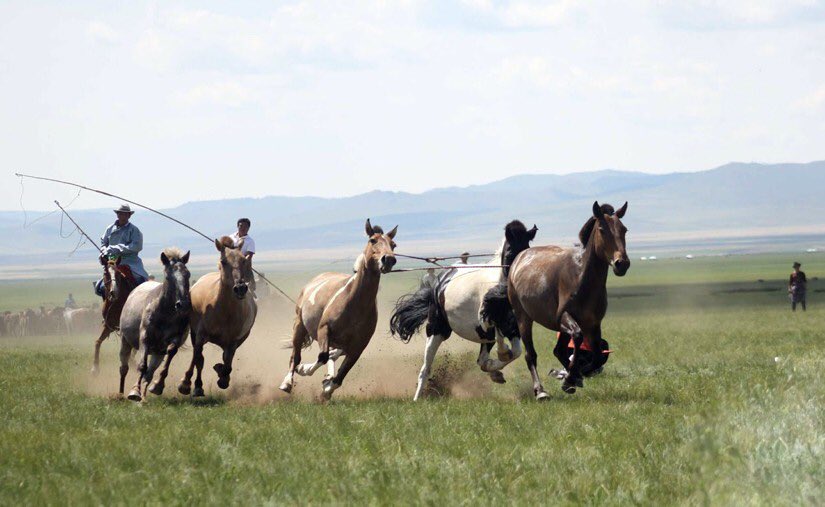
[{"x": 456, "y": 304}]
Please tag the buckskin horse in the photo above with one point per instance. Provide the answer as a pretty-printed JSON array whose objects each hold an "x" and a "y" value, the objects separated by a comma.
[
  {"x": 222, "y": 313},
  {"x": 457, "y": 303},
  {"x": 564, "y": 289},
  {"x": 339, "y": 312},
  {"x": 155, "y": 321},
  {"x": 118, "y": 283}
]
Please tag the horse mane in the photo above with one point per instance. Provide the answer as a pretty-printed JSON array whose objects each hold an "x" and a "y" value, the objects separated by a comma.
[
  {"x": 173, "y": 253},
  {"x": 377, "y": 229},
  {"x": 587, "y": 228},
  {"x": 227, "y": 242}
]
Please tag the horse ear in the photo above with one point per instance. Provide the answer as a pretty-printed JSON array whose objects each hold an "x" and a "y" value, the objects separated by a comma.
[
  {"x": 531, "y": 234},
  {"x": 164, "y": 259},
  {"x": 620, "y": 213},
  {"x": 597, "y": 210},
  {"x": 368, "y": 228},
  {"x": 393, "y": 232},
  {"x": 185, "y": 258}
]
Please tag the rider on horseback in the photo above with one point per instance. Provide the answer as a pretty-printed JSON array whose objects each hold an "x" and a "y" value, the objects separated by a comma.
[{"x": 123, "y": 239}]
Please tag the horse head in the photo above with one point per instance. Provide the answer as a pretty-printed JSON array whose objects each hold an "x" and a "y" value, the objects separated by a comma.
[
  {"x": 233, "y": 267},
  {"x": 111, "y": 283},
  {"x": 608, "y": 236},
  {"x": 176, "y": 275},
  {"x": 378, "y": 254}
]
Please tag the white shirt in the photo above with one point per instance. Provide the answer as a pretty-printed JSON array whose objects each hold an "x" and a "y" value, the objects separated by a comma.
[{"x": 248, "y": 243}]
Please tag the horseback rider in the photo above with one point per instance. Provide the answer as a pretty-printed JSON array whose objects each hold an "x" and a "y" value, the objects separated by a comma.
[
  {"x": 123, "y": 239},
  {"x": 242, "y": 239}
]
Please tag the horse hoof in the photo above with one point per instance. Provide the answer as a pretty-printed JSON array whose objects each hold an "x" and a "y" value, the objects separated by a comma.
[
  {"x": 223, "y": 382},
  {"x": 95, "y": 371},
  {"x": 198, "y": 392},
  {"x": 218, "y": 369},
  {"x": 329, "y": 387},
  {"x": 134, "y": 395},
  {"x": 287, "y": 388},
  {"x": 542, "y": 396},
  {"x": 156, "y": 388},
  {"x": 497, "y": 377},
  {"x": 184, "y": 388},
  {"x": 569, "y": 388}
]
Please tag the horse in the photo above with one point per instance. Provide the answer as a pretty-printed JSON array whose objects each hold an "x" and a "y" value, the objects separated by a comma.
[
  {"x": 340, "y": 311},
  {"x": 564, "y": 289},
  {"x": 155, "y": 320},
  {"x": 118, "y": 283},
  {"x": 221, "y": 314},
  {"x": 457, "y": 303}
]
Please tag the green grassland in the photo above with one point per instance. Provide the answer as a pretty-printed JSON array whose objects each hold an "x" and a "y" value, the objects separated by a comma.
[{"x": 713, "y": 396}]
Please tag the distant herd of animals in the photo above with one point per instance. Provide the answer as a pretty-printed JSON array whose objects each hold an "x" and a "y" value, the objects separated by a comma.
[
  {"x": 50, "y": 321},
  {"x": 562, "y": 289}
]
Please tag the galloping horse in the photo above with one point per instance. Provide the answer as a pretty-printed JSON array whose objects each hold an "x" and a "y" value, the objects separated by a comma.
[
  {"x": 118, "y": 283},
  {"x": 456, "y": 303},
  {"x": 564, "y": 289},
  {"x": 339, "y": 311},
  {"x": 221, "y": 314},
  {"x": 155, "y": 320}
]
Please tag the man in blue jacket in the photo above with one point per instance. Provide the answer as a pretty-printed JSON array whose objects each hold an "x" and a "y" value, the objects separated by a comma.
[{"x": 123, "y": 239}]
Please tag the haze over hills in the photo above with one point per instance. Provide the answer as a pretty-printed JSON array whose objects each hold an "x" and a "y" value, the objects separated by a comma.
[{"x": 779, "y": 201}]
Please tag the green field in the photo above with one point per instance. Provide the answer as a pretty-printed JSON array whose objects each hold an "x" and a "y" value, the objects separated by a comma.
[{"x": 713, "y": 396}]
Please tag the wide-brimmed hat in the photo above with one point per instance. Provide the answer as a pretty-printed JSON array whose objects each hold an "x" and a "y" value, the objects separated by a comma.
[
  {"x": 797, "y": 265},
  {"x": 124, "y": 208}
]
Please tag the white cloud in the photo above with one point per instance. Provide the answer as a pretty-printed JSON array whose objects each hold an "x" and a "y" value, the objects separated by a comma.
[
  {"x": 227, "y": 93},
  {"x": 102, "y": 32},
  {"x": 811, "y": 103}
]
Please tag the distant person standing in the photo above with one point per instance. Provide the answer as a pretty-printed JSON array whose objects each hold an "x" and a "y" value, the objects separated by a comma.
[
  {"x": 463, "y": 259},
  {"x": 797, "y": 286},
  {"x": 429, "y": 279},
  {"x": 242, "y": 239},
  {"x": 70, "y": 302}
]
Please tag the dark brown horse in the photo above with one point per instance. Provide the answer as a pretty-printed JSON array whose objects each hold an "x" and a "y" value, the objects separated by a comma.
[
  {"x": 118, "y": 283},
  {"x": 339, "y": 311},
  {"x": 564, "y": 289}
]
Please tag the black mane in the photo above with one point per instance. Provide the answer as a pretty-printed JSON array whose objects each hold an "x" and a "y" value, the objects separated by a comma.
[{"x": 587, "y": 228}]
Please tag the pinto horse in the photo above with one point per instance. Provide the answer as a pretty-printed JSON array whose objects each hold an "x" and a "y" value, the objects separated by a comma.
[
  {"x": 223, "y": 313},
  {"x": 155, "y": 321},
  {"x": 458, "y": 303},
  {"x": 118, "y": 283},
  {"x": 339, "y": 311},
  {"x": 564, "y": 289}
]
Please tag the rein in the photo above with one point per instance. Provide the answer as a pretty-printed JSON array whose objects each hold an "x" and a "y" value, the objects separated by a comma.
[{"x": 463, "y": 266}]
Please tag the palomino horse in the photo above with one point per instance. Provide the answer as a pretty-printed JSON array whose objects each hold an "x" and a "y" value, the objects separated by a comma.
[
  {"x": 564, "y": 289},
  {"x": 118, "y": 283},
  {"x": 155, "y": 320},
  {"x": 456, "y": 303},
  {"x": 223, "y": 313},
  {"x": 339, "y": 311}
]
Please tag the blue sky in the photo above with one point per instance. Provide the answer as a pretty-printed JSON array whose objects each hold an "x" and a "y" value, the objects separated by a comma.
[{"x": 175, "y": 101}]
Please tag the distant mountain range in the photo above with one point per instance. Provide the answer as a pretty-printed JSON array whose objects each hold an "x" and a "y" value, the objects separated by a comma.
[{"x": 737, "y": 200}]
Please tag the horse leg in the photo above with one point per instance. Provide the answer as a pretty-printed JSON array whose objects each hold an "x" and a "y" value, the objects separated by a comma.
[
  {"x": 185, "y": 385},
  {"x": 135, "y": 393},
  {"x": 104, "y": 333},
  {"x": 299, "y": 335},
  {"x": 154, "y": 362},
  {"x": 574, "y": 377},
  {"x": 125, "y": 355},
  {"x": 330, "y": 385},
  {"x": 307, "y": 369},
  {"x": 225, "y": 369},
  {"x": 158, "y": 385},
  {"x": 525, "y": 328},
  {"x": 198, "y": 360},
  {"x": 433, "y": 342},
  {"x": 490, "y": 366},
  {"x": 334, "y": 354}
]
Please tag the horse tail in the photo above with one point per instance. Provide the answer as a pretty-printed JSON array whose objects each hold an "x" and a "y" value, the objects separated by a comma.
[
  {"x": 411, "y": 311},
  {"x": 495, "y": 308}
]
